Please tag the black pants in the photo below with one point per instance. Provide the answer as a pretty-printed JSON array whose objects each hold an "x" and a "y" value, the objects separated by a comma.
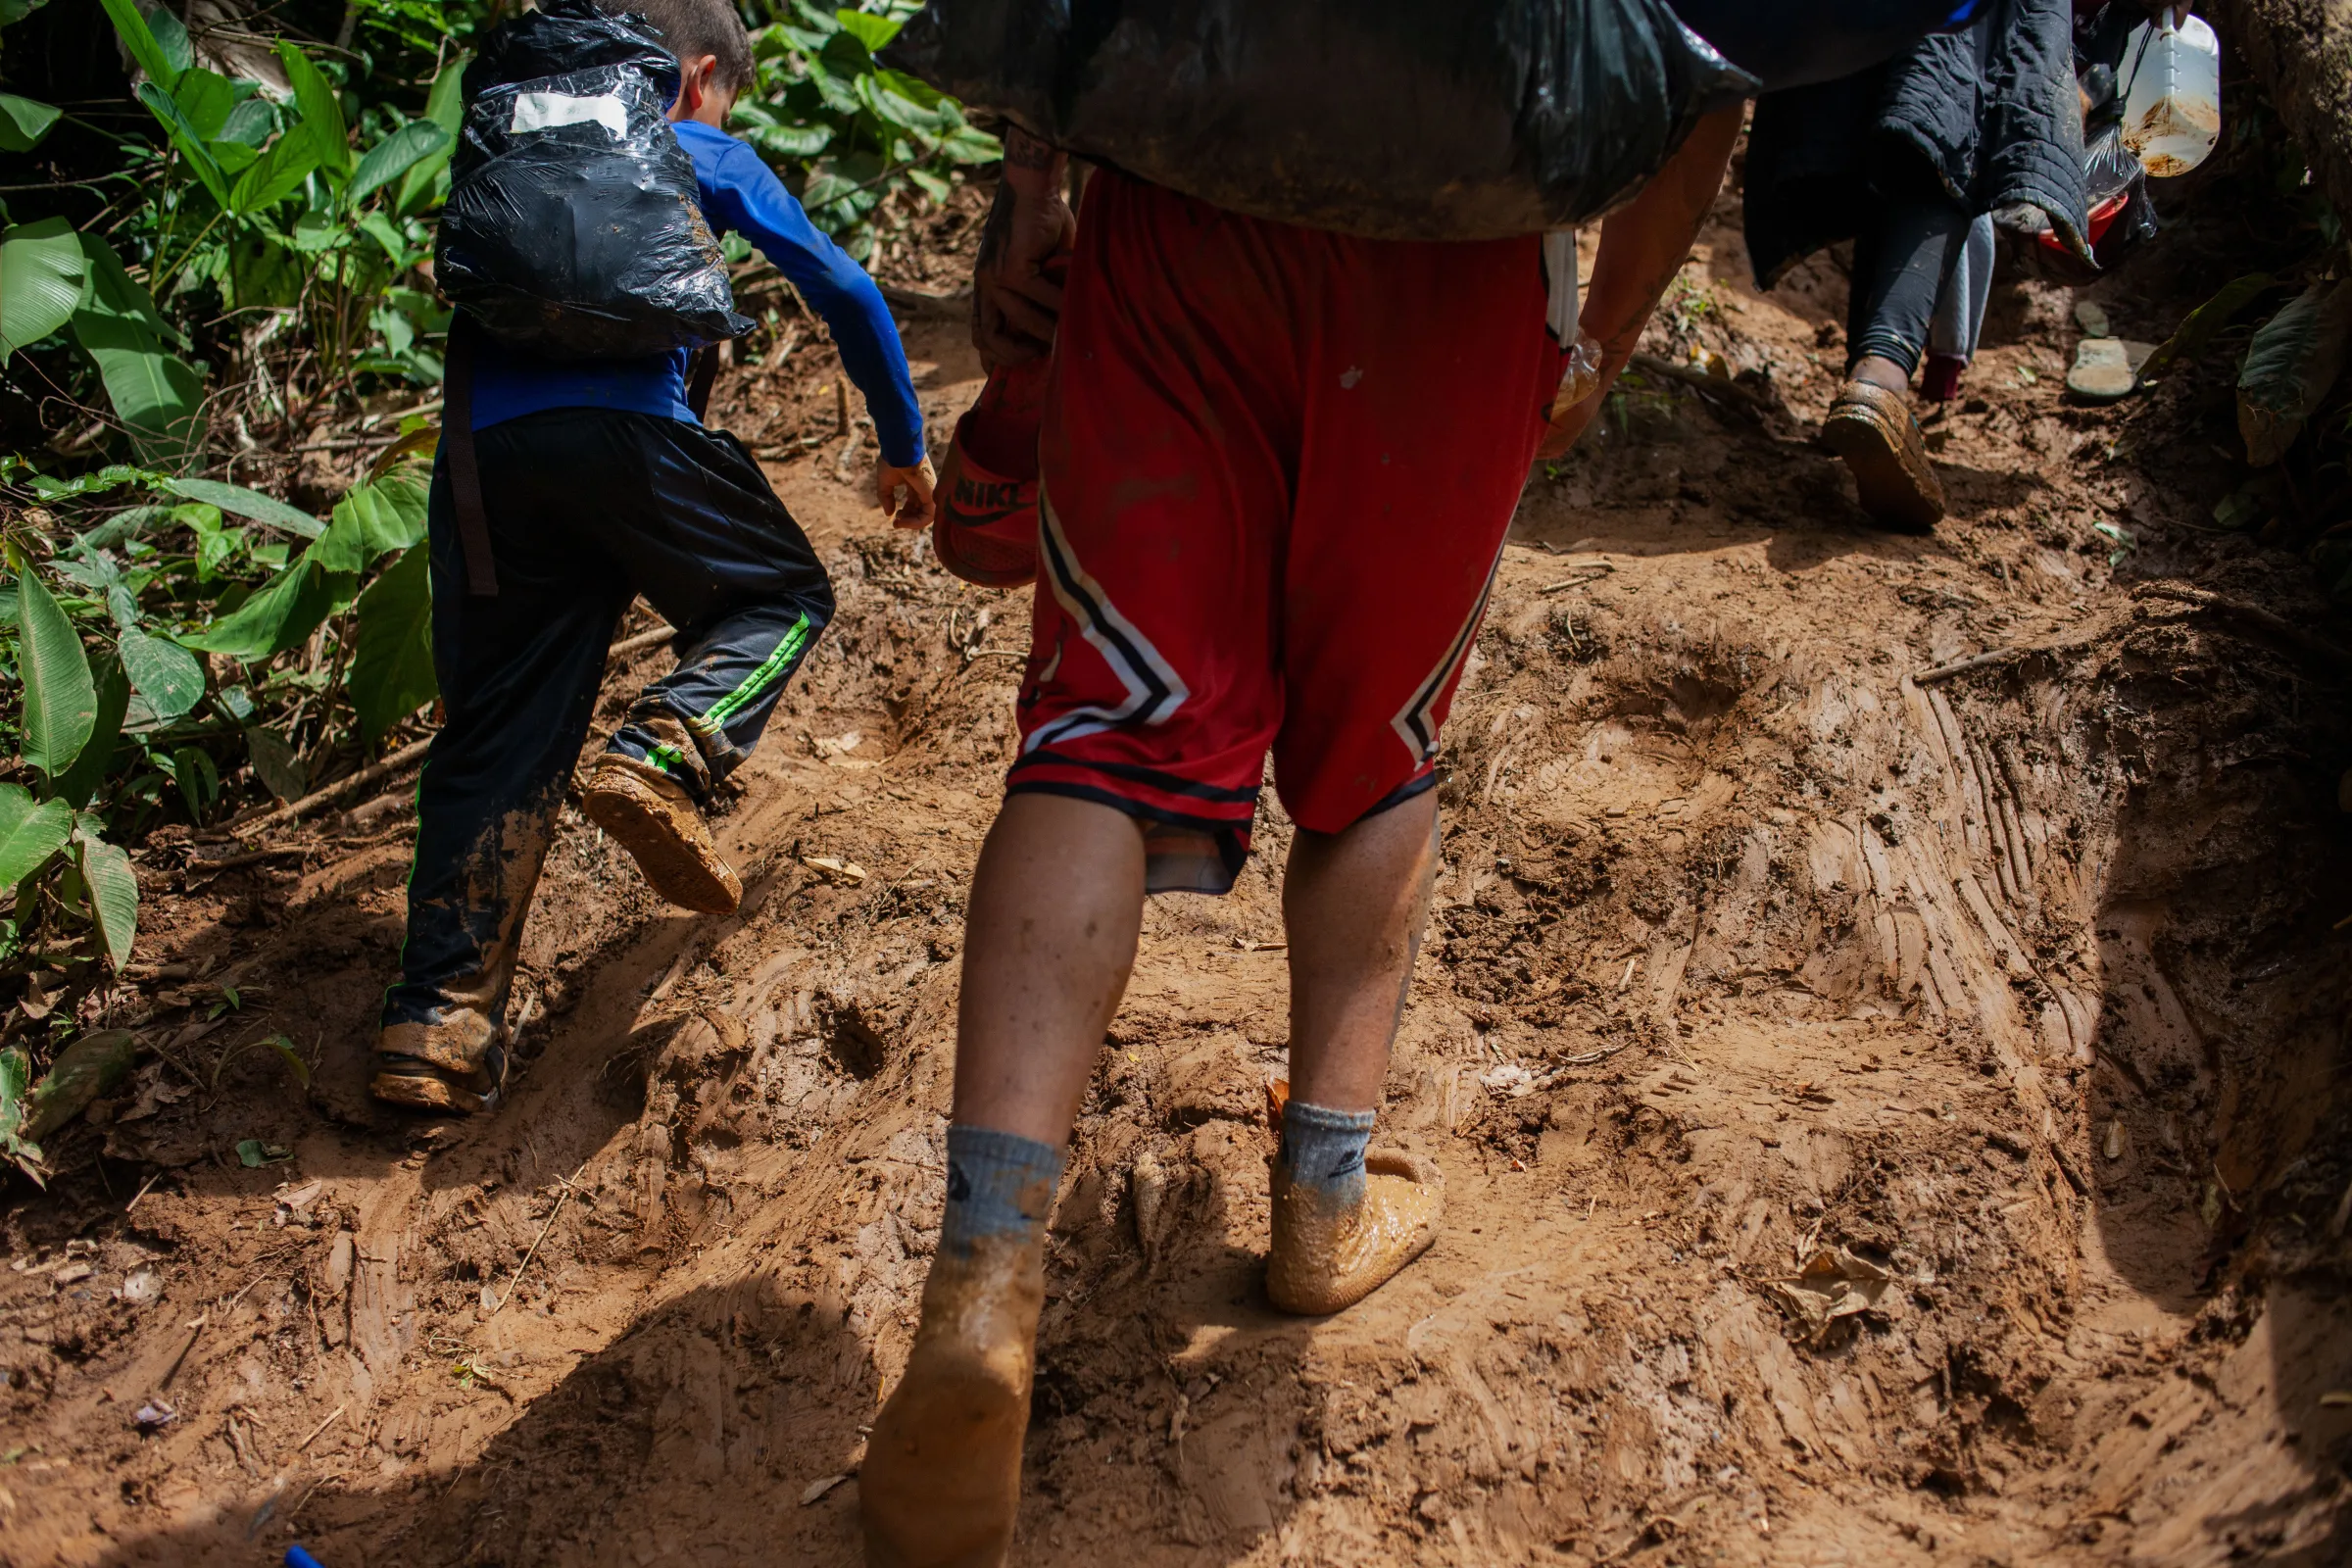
[
  {"x": 1903, "y": 255},
  {"x": 587, "y": 509}
]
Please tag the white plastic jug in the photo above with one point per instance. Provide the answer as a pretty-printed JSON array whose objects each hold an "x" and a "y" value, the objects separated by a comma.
[{"x": 2173, "y": 92}]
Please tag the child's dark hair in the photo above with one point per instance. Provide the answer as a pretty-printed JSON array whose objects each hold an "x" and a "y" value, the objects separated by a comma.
[{"x": 693, "y": 28}]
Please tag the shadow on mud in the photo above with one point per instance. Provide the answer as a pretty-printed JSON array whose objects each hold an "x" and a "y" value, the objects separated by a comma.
[
  {"x": 718, "y": 1413},
  {"x": 2217, "y": 1100}
]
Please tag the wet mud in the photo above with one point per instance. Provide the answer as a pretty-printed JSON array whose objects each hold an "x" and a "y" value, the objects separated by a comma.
[{"x": 1886, "y": 1114}]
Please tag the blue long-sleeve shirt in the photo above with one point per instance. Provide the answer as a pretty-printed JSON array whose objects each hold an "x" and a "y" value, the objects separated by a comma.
[{"x": 741, "y": 193}]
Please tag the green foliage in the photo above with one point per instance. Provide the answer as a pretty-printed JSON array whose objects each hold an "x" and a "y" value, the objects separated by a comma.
[
  {"x": 16, "y": 1079},
  {"x": 392, "y": 671},
  {"x": 117, "y": 716},
  {"x": 156, "y": 394},
  {"x": 60, "y": 700},
  {"x": 23, "y": 123},
  {"x": 30, "y": 832},
  {"x": 845, "y": 130},
  {"x": 42, "y": 271}
]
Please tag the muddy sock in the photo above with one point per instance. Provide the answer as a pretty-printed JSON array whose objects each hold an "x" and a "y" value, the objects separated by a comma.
[
  {"x": 999, "y": 1185},
  {"x": 1324, "y": 1151}
]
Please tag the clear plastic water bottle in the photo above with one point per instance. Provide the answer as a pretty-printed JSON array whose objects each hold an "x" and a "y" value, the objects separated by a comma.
[
  {"x": 2173, "y": 92},
  {"x": 1580, "y": 378}
]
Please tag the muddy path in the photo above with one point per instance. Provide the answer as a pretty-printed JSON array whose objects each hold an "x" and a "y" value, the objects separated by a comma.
[{"x": 1889, "y": 1116}]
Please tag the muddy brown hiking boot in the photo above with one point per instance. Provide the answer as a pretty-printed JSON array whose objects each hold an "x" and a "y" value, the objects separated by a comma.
[
  {"x": 942, "y": 1478},
  {"x": 446, "y": 1069},
  {"x": 655, "y": 819},
  {"x": 1873, "y": 430},
  {"x": 1328, "y": 1257}
]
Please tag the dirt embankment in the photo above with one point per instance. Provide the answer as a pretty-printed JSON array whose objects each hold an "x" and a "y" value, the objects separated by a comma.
[{"x": 1886, "y": 1117}]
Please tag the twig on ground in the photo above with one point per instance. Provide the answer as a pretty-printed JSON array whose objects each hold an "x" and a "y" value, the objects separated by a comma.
[
  {"x": 954, "y": 307},
  {"x": 2252, "y": 615},
  {"x": 304, "y": 1446},
  {"x": 1999, "y": 658},
  {"x": 1691, "y": 376},
  {"x": 406, "y": 756},
  {"x": 561, "y": 1198},
  {"x": 251, "y": 857},
  {"x": 1588, "y": 1058},
  {"x": 641, "y": 642}
]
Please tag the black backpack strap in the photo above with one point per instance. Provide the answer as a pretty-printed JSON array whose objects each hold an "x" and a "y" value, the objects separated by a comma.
[
  {"x": 465, "y": 474},
  {"x": 701, "y": 376}
]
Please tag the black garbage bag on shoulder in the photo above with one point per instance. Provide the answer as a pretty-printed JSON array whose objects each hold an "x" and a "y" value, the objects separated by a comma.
[
  {"x": 573, "y": 226},
  {"x": 1435, "y": 119}
]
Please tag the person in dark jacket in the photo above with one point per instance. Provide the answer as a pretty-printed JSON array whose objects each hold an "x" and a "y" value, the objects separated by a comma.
[{"x": 1902, "y": 160}]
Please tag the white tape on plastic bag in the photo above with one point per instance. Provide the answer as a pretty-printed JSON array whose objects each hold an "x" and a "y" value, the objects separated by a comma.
[{"x": 549, "y": 111}]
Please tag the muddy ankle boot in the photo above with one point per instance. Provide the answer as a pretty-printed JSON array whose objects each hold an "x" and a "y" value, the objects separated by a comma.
[
  {"x": 1873, "y": 430},
  {"x": 454, "y": 1067},
  {"x": 1346, "y": 1219},
  {"x": 653, "y": 817},
  {"x": 942, "y": 1479}
]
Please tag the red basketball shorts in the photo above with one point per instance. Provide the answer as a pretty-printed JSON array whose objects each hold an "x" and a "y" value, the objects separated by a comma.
[{"x": 1277, "y": 468}]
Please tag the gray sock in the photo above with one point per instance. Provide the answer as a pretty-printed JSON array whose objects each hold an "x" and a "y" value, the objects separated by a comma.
[
  {"x": 999, "y": 1185},
  {"x": 1324, "y": 1149}
]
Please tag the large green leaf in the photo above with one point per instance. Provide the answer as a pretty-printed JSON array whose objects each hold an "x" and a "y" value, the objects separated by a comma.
[
  {"x": 262, "y": 273},
  {"x": 60, "y": 700},
  {"x": 392, "y": 671},
  {"x": 80, "y": 781},
  {"x": 42, "y": 274},
  {"x": 92, "y": 1066},
  {"x": 15, "y": 1075},
  {"x": 237, "y": 501},
  {"x": 321, "y": 111},
  {"x": 157, "y": 394},
  {"x": 393, "y": 157},
  {"x": 23, "y": 123},
  {"x": 186, "y": 138},
  {"x": 138, "y": 38},
  {"x": 168, "y": 675},
  {"x": 273, "y": 178},
  {"x": 249, "y": 124},
  {"x": 871, "y": 30},
  {"x": 284, "y": 612},
  {"x": 444, "y": 105},
  {"x": 30, "y": 832},
  {"x": 113, "y": 895},
  {"x": 171, "y": 38},
  {"x": 276, "y": 762},
  {"x": 371, "y": 523},
  {"x": 204, "y": 98}
]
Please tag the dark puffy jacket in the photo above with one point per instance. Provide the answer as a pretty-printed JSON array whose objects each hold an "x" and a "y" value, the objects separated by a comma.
[{"x": 1989, "y": 116}]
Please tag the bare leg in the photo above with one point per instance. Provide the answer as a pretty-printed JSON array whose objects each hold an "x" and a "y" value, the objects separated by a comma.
[
  {"x": 1049, "y": 938},
  {"x": 1355, "y": 904}
]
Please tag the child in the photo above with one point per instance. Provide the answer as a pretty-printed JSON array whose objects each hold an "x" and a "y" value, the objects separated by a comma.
[{"x": 600, "y": 483}]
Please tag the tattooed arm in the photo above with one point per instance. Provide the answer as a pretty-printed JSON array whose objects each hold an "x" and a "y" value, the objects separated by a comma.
[
  {"x": 1642, "y": 246},
  {"x": 1014, "y": 303}
]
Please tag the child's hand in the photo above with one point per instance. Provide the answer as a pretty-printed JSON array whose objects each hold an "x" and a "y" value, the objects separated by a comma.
[{"x": 919, "y": 481}]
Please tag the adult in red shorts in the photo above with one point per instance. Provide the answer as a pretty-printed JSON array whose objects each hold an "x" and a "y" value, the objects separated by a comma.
[{"x": 1277, "y": 468}]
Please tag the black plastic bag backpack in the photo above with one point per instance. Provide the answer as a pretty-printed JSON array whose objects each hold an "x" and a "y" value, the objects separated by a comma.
[
  {"x": 573, "y": 226},
  {"x": 1425, "y": 119}
]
